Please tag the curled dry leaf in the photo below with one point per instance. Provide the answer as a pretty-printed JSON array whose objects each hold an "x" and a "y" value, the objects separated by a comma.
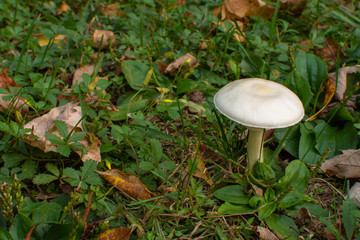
[
  {"x": 265, "y": 234},
  {"x": 63, "y": 8},
  {"x": 88, "y": 69},
  {"x": 70, "y": 114},
  {"x": 342, "y": 79},
  {"x": 116, "y": 234},
  {"x": 108, "y": 37},
  {"x": 112, "y": 10},
  {"x": 14, "y": 104},
  {"x": 354, "y": 193},
  {"x": 346, "y": 165},
  {"x": 186, "y": 60},
  {"x": 330, "y": 91},
  {"x": 201, "y": 168},
  {"x": 236, "y": 8},
  {"x": 128, "y": 183}
]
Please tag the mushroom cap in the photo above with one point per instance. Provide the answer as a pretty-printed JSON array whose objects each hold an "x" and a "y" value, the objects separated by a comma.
[{"x": 259, "y": 103}]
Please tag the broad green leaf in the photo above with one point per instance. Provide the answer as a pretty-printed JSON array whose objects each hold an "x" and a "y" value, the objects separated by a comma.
[
  {"x": 220, "y": 233},
  {"x": 266, "y": 210},
  {"x": 264, "y": 171},
  {"x": 300, "y": 86},
  {"x": 48, "y": 212},
  {"x": 28, "y": 170},
  {"x": 61, "y": 231},
  {"x": 294, "y": 197},
  {"x": 64, "y": 150},
  {"x": 346, "y": 137},
  {"x": 292, "y": 140},
  {"x": 78, "y": 136},
  {"x": 325, "y": 138},
  {"x": 53, "y": 138},
  {"x": 4, "y": 127},
  {"x": 5, "y": 235},
  {"x": 229, "y": 208},
  {"x": 349, "y": 219},
  {"x": 307, "y": 151},
  {"x": 232, "y": 194},
  {"x": 62, "y": 128},
  {"x": 283, "y": 226},
  {"x": 312, "y": 68},
  {"x": 135, "y": 72},
  {"x": 156, "y": 150},
  {"x": 128, "y": 107},
  {"x": 20, "y": 227},
  {"x": 93, "y": 179},
  {"x": 12, "y": 159},
  {"x": 88, "y": 168},
  {"x": 146, "y": 166},
  {"x": 184, "y": 85},
  {"x": 117, "y": 133},
  {"x": 44, "y": 179},
  {"x": 296, "y": 175},
  {"x": 53, "y": 169},
  {"x": 72, "y": 173}
]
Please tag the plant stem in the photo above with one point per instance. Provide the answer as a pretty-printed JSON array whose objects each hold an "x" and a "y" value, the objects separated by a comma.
[{"x": 254, "y": 146}]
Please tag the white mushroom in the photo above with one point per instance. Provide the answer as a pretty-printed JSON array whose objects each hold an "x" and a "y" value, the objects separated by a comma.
[{"x": 258, "y": 104}]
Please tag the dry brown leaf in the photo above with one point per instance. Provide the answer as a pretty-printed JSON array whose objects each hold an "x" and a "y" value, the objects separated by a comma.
[
  {"x": 70, "y": 114},
  {"x": 186, "y": 60},
  {"x": 112, "y": 10},
  {"x": 63, "y": 8},
  {"x": 237, "y": 35},
  {"x": 330, "y": 90},
  {"x": 15, "y": 104},
  {"x": 354, "y": 193},
  {"x": 218, "y": 10},
  {"x": 342, "y": 79},
  {"x": 108, "y": 37},
  {"x": 236, "y": 8},
  {"x": 88, "y": 69},
  {"x": 201, "y": 168},
  {"x": 116, "y": 234},
  {"x": 43, "y": 41},
  {"x": 265, "y": 234},
  {"x": 346, "y": 165},
  {"x": 128, "y": 183},
  {"x": 6, "y": 81}
]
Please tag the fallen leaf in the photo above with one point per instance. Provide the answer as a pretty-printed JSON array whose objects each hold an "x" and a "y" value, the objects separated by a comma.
[
  {"x": 70, "y": 114},
  {"x": 330, "y": 90},
  {"x": 14, "y": 104},
  {"x": 88, "y": 69},
  {"x": 236, "y": 8},
  {"x": 346, "y": 165},
  {"x": 116, "y": 234},
  {"x": 342, "y": 79},
  {"x": 239, "y": 36},
  {"x": 112, "y": 10},
  {"x": 219, "y": 9},
  {"x": 186, "y": 60},
  {"x": 128, "y": 183},
  {"x": 265, "y": 234},
  {"x": 63, "y": 8},
  {"x": 354, "y": 193},
  {"x": 6, "y": 81},
  {"x": 108, "y": 37},
  {"x": 43, "y": 41},
  {"x": 201, "y": 168}
]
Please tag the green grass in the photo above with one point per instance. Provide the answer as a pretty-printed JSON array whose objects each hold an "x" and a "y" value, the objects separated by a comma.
[{"x": 166, "y": 124}]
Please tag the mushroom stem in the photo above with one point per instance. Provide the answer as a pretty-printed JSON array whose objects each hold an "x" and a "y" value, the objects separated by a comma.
[{"x": 254, "y": 146}]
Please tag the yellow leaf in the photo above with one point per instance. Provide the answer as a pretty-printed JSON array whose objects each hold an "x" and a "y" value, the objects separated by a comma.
[
  {"x": 128, "y": 183},
  {"x": 43, "y": 41},
  {"x": 116, "y": 234}
]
